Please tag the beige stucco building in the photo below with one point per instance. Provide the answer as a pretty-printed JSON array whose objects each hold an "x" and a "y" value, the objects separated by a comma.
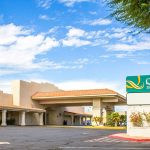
[{"x": 34, "y": 103}]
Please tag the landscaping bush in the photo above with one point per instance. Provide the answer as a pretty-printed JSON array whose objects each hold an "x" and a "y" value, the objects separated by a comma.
[
  {"x": 114, "y": 119},
  {"x": 136, "y": 119}
]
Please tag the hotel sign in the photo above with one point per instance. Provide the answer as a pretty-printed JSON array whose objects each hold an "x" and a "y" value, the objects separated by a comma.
[{"x": 138, "y": 84}]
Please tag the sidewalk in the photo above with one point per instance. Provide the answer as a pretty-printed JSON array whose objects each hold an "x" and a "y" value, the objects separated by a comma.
[{"x": 124, "y": 136}]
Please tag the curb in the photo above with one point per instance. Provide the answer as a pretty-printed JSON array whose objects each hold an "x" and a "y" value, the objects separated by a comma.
[
  {"x": 105, "y": 128},
  {"x": 130, "y": 138}
]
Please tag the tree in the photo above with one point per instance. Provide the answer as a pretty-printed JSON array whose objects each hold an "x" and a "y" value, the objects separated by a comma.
[
  {"x": 115, "y": 118},
  {"x": 123, "y": 120},
  {"x": 98, "y": 120},
  {"x": 135, "y": 13}
]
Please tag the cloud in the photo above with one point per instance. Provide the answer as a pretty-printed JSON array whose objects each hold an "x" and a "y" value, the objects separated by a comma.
[
  {"x": 6, "y": 71},
  {"x": 99, "y": 22},
  {"x": 44, "y": 3},
  {"x": 75, "y": 32},
  {"x": 104, "y": 56},
  {"x": 93, "y": 12},
  {"x": 78, "y": 37},
  {"x": 51, "y": 65},
  {"x": 19, "y": 47},
  {"x": 74, "y": 36},
  {"x": 143, "y": 63},
  {"x": 21, "y": 43},
  {"x": 53, "y": 30},
  {"x": 44, "y": 17},
  {"x": 121, "y": 55},
  {"x": 70, "y": 3},
  {"x": 75, "y": 42},
  {"x": 120, "y": 39},
  {"x": 139, "y": 46},
  {"x": 91, "y": 84},
  {"x": 5, "y": 86}
]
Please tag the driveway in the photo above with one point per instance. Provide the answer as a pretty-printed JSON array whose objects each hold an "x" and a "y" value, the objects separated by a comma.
[{"x": 52, "y": 138}]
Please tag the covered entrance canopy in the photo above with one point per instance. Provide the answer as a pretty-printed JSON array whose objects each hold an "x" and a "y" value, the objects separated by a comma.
[
  {"x": 102, "y": 100},
  {"x": 79, "y": 97}
]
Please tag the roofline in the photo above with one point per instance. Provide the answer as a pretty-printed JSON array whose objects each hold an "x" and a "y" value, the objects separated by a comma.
[
  {"x": 78, "y": 114},
  {"x": 16, "y": 108},
  {"x": 81, "y": 96}
]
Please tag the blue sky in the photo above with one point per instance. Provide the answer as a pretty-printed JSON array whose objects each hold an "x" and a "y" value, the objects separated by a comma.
[{"x": 71, "y": 43}]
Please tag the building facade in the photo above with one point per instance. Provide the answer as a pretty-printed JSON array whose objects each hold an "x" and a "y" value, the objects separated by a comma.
[{"x": 34, "y": 103}]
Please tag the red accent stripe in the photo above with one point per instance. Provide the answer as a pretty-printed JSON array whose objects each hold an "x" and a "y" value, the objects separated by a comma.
[{"x": 129, "y": 138}]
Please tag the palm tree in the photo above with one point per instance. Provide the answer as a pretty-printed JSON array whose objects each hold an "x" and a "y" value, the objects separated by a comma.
[{"x": 115, "y": 118}]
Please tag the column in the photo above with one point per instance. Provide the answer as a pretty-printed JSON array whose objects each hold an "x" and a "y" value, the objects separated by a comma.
[
  {"x": 80, "y": 120},
  {"x": 23, "y": 117},
  {"x": 72, "y": 120},
  {"x": 97, "y": 109},
  {"x": 41, "y": 119},
  {"x": 104, "y": 115},
  {"x": 90, "y": 120},
  {"x": 85, "y": 120},
  {"x": 4, "y": 112}
]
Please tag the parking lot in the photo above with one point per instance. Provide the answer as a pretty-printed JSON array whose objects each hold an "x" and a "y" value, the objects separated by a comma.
[{"x": 52, "y": 138}]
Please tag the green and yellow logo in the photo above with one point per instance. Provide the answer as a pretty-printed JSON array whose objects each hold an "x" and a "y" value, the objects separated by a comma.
[{"x": 132, "y": 85}]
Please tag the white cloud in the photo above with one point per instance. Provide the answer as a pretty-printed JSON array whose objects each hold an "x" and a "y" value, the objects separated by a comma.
[
  {"x": 70, "y": 3},
  {"x": 121, "y": 55},
  {"x": 78, "y": 37},
  {"x": 99, "y": 21},
  {"x": 73, "y": 41},
  {"x": 93, "y": 12},
  {"x": 138, "y": 46},
  {"x": 19, "y": 47},
  {"x": 44, "y": 3},
  {"x": 53, "y": 30},
  {"x": 75, "y": 32},
  {"x": 6, "y": 71},
  {"x": 117, "y": 35},
  {"x": 44, "y": 17},
  {"x": 90, "y": 84},
  {"x": 143, "y": 63},
  {"x": 5, "y": 86},
  {"x": 104, "y": 56}
]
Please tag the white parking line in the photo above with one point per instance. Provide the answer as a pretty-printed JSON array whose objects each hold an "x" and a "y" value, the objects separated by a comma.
[
  {"x": 103, "y": 148},
  {"x": 1, "y": 143},
  {"x": 95, "y": 140}
]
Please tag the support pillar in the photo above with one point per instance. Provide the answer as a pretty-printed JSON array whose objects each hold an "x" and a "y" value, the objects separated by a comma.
[
  {"x": 41, "y": 119},
  {"x": 72, "y": 120},
  {"x": 23, "y": 117},
  {"x": 97, "y": 109},
  {"x": 90, "y": 120},
  {"x": 85, "y": 120},
  {"x": 104, "y": 115},
  {"x": 80, "y": 120},
  {"x": 4, "y": 112}
]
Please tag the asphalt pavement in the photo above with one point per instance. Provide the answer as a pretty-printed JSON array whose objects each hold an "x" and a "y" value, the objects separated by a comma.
[{"x": 52, "y": 138}]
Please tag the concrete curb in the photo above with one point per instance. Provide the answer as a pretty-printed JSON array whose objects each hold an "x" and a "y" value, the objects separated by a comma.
[
  {"x": 129, "y": 138},
  {"x": 105, "y": 128},
  {"x": 89, "y": 127}
]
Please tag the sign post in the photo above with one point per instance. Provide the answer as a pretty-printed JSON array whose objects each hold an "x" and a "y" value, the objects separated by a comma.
[
  {"x": 138, "y": 100},
  {"x": 138, "y": 84}
]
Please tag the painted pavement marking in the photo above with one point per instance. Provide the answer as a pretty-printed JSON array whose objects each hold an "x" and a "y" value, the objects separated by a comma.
[
  {"x": 108, "y": 139},
  {"x": 2, "y": 143},
  {"x": 104, "y": 148}
]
